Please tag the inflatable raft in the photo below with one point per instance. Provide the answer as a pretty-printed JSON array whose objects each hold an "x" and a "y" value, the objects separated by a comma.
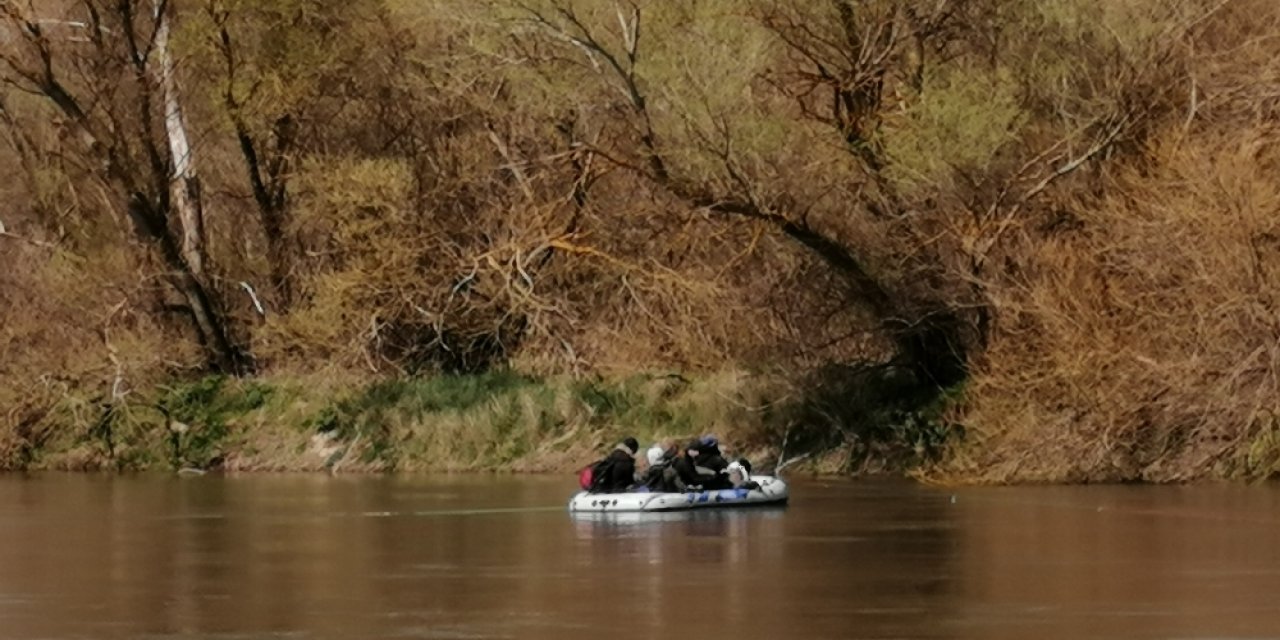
[{"x": 772, "y": 491}]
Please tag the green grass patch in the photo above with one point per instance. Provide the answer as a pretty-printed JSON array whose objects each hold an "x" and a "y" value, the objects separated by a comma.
[{"x": 500, "y": 420}]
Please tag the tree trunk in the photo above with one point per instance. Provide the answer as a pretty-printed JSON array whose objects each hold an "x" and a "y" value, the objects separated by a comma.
[
  {"x": 271, "y": 195},
  {"x": 268, "y": 175},
  {"x": 278, "y": 255},
  {"x": 185, "y": 184},
  {"x": 930, "y": 342},
  {"x": 210, "y": 323},
  {"x": 155, "y": 183}
]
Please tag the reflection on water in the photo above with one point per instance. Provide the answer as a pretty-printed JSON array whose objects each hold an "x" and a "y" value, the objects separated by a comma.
[
  {"x": 467, "y": 557},
  {"x": 715, "y": 521}
]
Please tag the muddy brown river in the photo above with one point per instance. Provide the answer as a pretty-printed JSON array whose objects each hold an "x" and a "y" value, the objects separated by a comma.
[{"x": 161, "y": 557}]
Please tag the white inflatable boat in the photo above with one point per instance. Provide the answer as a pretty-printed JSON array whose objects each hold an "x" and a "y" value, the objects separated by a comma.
[{"x": 772, "y": 491}]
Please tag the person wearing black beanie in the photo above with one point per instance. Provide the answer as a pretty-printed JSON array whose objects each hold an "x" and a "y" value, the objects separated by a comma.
[{"x": 617, "y": 472}]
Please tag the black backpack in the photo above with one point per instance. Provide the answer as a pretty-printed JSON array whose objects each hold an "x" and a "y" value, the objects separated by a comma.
[{"x": 600, "y": 473}]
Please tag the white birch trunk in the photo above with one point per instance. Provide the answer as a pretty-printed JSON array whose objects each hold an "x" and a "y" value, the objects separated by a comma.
[{"x": 185, "y": 184}]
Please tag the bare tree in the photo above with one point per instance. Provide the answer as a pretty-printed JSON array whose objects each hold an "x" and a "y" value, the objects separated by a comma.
[
  {"x": 266, "y": 161},
  {"x": 112, "y": 88},
  {"x": 926, "y": 340},
  {"x": 186, "y": 183}
]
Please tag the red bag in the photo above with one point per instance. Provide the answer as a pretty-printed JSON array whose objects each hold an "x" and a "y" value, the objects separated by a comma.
[{"x": 585, "y": 476}]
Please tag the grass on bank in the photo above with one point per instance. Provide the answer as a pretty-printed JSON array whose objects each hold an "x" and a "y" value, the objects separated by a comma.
[{"x": 497, "y": 421}]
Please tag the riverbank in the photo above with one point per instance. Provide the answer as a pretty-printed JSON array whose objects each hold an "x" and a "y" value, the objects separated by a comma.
[
  {"x": 840, "y": 423},
  {"x": 501, "y": 421}
]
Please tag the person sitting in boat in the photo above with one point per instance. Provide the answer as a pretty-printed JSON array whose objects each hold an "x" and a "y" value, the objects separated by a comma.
[
  {"x": 689, "y": 474},
  {"x": 659, "y": 457},
  {"x": 680, "y": 476},
  {"x": 617, "y": 471},
  {"x": 739, "y": 472},
  {"x": 709, "y": 455}
]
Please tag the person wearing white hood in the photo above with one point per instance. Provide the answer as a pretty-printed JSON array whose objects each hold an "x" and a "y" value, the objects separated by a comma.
[
  {"x": 654, "y": 455},
  {"x": 740, "y": 475},
  {"x": 659, "y": 458}
]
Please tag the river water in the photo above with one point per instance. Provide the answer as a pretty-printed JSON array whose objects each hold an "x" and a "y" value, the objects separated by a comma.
[{"x": 85, "y": 556}]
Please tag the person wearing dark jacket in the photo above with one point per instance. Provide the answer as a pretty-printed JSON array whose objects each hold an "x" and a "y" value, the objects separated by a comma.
[
  {"x": 709, "y": 456},
  {"x": 617, "y": 472},
  {"x": 680, "y": 475},
  {"x": 688, "y": 473}
]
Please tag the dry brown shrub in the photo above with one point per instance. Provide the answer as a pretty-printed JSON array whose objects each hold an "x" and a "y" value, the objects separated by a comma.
[
  {"x": 76, "y": 338},
  {"x": 1142, "y": 343},
  {"x": 1079, "y": 188}
]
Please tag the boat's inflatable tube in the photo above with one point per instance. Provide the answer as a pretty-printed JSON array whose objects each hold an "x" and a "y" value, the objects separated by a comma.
[{"x": 772, "y": 491}]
